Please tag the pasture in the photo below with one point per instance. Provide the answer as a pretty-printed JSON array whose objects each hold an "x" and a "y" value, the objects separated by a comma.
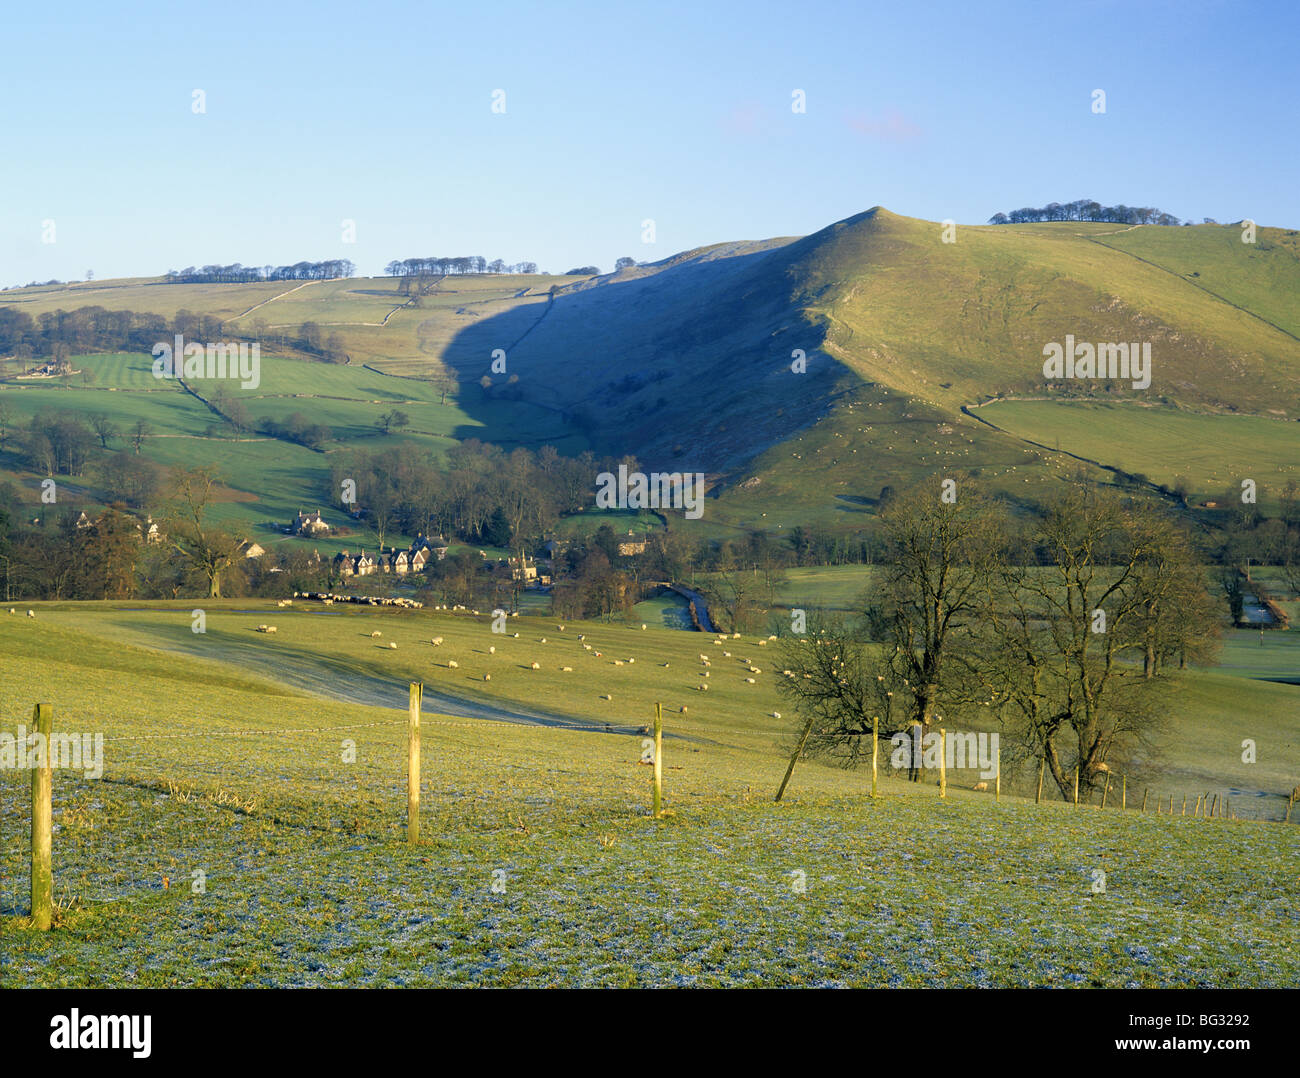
[{"x": 540, "y": 864}]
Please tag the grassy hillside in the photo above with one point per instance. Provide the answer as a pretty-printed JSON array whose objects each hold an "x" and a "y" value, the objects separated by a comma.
[
  {"x": 686, "y": 363},
  {"x": 308, "y": 881}
]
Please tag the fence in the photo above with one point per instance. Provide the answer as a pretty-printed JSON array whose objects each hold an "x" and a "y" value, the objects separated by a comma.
[{"x": 42, "y": 784}]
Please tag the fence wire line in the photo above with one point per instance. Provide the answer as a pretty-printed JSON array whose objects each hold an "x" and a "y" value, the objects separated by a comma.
[{"x": 209, "y": 735}]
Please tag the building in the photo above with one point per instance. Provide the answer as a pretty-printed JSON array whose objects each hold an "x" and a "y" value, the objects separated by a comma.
[{"x": 309, "y": 525}]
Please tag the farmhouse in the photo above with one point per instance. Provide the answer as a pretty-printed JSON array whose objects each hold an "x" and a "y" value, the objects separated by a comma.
[
  {"x": 628, "y": 547},
  {"x": 309, "y": 525},
  {"x": 523, "y": 569}
]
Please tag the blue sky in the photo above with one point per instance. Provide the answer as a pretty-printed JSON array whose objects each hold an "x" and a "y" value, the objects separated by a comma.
[{"x": 380, "y": 113}]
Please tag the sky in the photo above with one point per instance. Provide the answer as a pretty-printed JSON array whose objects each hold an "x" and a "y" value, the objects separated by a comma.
[{"x": 615, "y": 115}]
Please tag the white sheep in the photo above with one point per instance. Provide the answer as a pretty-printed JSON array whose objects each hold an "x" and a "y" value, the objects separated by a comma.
[
  {"x": 566, "y": 669},
  {"x": 436, "y": 641},
  {"x": 981, "y": 786},
  {"x": 703, "y": 658},
  {"x": 31, "y": 613},
  {"x": 487, "y": 677},
  {"x": 618, "y": 662},
  {"x": 376, "y": 635},
  {"x": 452, "y": 664},
  {"x": 392, "y": 644},
  {"x": 543, "y": 640},
  {"x": 703, "y": 688},
  {"x": 630, "y": 660},
  {"x": 537, "y": 666},
  {"x": 606, "y": 696},
  {"x": 492, "y": 650},
  {"x": 776, "y": 714},
  {"x": 749, "y": 680},
  {"x": 643, "y": 626}
]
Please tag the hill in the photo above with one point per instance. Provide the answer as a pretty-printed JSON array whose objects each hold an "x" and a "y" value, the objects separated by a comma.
[{"x": 687, "y": 363}]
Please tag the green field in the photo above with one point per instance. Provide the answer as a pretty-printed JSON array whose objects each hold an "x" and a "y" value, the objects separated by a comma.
[
  {"x": 268, "y": 480},
  {"x": 1214, "y": 453},
  {"x": 308, "y": 880}
]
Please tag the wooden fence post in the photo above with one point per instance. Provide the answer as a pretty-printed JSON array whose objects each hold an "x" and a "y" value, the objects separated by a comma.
[
  {"x": 1106, "y": 792},
  {"x": 413, "y": 764},
  {"x": 1123, "y": 792},
  {"x": 1042, "y": 766},
  {"x": 943, "y": 763},
  {"x": 875, "y": 750},
  {"x": 997, "y": 778},
  {"x": 659, "y": 762},
  {"x": 1144, "y": 798},
  {"x": 1215, "y": 805},
  {"x": 43, "y": 824},
  {"x": 1076, "y": 785},
  {"x": 1197, "y": 811},
  {"x": 1184, "y": 804}
]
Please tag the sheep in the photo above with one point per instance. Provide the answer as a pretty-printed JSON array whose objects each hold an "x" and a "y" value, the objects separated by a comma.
[
  {"x": 735, "y": 636},
  {"x": 391, "y": 644},
  {"x": 703, "y": 688},
  {"x": 726, "y": 655},
  {"x": 376, "y": 635},
  {"x": 31, "y": 613},
  {"x": 776, "y": 714},
  {"x": 618, "y": 662},
  {"x": 266, "y": 628},
  {"x": 452, "y": 664},
  {"x": 436, "y": 641},
  {"x": 598, "y": 655},
  {"x": 631, "y": 660},
  {"x": 492, "y": 649},
  {"x": 582, "y": 636},
  {"x": 981, "y": 787},
  {"x": 537, "y": 666},
  {"x": 543, "y": 640},
  {"x": 566, "y": 669},
  {"x": 749, "y": 680},
  {"x": 772, "y": 637},
  {"x": 762, "y": 643},
  {"x": 487, "y": 677},
  {"x": 703, "y": 658},
  {"x": 755, "y": 670},
  {"x": 586, "y": 647},
  {"x": 516, "y": 636},
  {"x": 706, "y": 663},
  {"x": 683, "y": 709},
  {"x": 560, "y": 627},
  {"x": 643, "y": 626},
  {"x": 606, "y": 696},
  {"x": 664, "y": 665}
]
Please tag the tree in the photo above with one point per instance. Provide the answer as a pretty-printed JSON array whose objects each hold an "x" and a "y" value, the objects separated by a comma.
[
  {"x": 139, "y": 433},
  {"x": 940, "y": 556},
  {"x": 624, "y": 263},
  {"x": 104, "y": 427},
  {"x": 208, "y": 550},
  {"x": 392, "y": 419}
]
